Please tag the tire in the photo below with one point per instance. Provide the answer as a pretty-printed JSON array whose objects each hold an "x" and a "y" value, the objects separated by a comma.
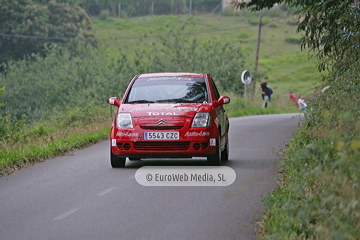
[
  {"x": 215, "y": 160},
  {"x": 117, "y": 162},
  {"x": 225, "y": 152}
]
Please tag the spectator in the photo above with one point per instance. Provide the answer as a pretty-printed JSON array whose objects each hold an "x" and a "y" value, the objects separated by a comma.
[
  {"x": 265, "y": 92},
  {"x": 301, "y": 103},
  {"x": 292, "y": 97}
]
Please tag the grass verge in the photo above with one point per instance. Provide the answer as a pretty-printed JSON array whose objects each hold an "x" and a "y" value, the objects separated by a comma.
[{"x": 11, "y": 161}]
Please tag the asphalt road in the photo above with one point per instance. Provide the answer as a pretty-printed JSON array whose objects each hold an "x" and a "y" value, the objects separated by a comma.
[{"x": 79, "y": 196}]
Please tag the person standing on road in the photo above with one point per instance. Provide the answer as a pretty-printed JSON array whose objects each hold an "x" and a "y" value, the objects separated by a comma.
[{"x": 265, "y": 92}]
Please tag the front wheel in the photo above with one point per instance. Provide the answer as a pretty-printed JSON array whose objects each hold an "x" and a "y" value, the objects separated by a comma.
[
  {"x": 215, "y": 160},
  {"x": 225, "y": 152},
  {"x": 117, "y": 162}
]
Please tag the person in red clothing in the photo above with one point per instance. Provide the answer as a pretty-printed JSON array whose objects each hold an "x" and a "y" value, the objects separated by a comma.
[{"x": 292, "y": 97}]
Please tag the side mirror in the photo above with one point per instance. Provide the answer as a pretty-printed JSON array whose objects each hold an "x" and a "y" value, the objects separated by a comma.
[
  {"x": 114, "y": 101},
  {"x": 223, "y": 100}
]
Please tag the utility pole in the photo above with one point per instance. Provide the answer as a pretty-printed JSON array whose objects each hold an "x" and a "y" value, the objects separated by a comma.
[
  {"x": 257, "y": 55},
  {"x": 119, "y": 10}
]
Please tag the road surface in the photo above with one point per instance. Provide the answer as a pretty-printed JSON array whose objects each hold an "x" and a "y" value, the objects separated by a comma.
[{"x": 79, "y": 196}]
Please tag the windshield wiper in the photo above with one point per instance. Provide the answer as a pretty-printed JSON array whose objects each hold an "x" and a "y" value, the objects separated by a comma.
[{"x": 141, "y": 101}]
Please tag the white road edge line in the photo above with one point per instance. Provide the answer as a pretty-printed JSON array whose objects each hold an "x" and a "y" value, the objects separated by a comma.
[
  {"x": 64, "y": 215},
  {"x": 106, "y": 191}
]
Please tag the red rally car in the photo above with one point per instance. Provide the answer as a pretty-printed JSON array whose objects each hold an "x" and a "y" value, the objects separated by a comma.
[{"x": 170, "y": 115}]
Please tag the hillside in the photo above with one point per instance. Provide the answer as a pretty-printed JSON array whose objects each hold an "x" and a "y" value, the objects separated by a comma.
[{"x": 288, "y": 68}]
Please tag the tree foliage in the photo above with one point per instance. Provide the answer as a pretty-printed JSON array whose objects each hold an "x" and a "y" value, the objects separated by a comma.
[
  {"x": 21, "y": 17},
  {"x": 331, "y": 27},
  {"x": 28, "y": 25}
]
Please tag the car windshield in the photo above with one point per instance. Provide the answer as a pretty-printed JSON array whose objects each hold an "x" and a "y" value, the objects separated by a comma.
[{"x": 168, "y": 90}]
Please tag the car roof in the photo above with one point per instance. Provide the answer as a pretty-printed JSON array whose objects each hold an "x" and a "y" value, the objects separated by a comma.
[{"x": 172, "y": 74}]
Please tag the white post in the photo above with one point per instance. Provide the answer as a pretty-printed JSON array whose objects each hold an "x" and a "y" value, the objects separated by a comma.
[
  {"x": 119, "y": 10},
  {"x": 152, "y": 8},
  {"x": 245, "y": 95},
  {"x": 190, "y": 7}
]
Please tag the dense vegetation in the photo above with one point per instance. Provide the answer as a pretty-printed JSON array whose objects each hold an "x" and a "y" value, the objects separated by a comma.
[{"x": 318, "y": 196}]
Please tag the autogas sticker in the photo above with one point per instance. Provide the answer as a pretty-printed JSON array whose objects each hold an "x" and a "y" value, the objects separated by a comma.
[
  {"x": 113, "y": 142},
  {"x": 197, "y": 134},
  {"x": 127, "y": 134},
  {"x": 212, "y": 142}
]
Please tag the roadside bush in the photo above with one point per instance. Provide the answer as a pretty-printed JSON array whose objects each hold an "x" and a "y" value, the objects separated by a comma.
[
  {"x": 293, "y": 40},
  {"x": 293, "y": 22},
  {"x": 104, "y": 14},
  {"x": 243, "y": 35},
  {"x": 46, "y": 85},
  {"x": 255, "y": 21},
  {"x": 272, "y": 25}
]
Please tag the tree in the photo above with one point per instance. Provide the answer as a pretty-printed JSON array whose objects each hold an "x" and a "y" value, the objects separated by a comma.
[
  {"x": 67, "y": 24},
  {"x": 18, "y": 18},
  {"x": 28, "y": 25}
]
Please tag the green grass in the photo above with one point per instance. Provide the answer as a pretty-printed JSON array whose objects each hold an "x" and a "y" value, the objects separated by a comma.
[{"x": 12, "y": 160}]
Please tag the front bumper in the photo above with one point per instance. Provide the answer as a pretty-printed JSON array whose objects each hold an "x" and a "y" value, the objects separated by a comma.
[{"x": 194, "y": 143}]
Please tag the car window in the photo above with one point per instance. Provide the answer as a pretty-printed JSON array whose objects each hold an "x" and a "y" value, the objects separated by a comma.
[
  {"x": 216, "y": 92},
  {"x": 168, "y": 90}
]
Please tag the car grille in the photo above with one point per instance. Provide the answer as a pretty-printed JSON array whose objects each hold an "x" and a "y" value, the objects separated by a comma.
[
  {"x": 161, "y": 127},
  {"x": 162, "y": 146}
]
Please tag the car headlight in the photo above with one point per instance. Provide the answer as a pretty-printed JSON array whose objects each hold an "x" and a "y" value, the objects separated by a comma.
[
  {"x": 201, "y": 120},
  {"x": 124, "y": 120}
]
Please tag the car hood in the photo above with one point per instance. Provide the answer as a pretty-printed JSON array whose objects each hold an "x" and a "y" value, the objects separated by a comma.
[{"x": 178, "y": 109}]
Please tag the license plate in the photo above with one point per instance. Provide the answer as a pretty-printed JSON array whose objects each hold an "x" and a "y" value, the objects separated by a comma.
[{"x": 161, "y": 135}]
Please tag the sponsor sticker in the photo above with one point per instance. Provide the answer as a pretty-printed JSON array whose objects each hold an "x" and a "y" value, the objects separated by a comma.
[
  {"x": 162, "y": 113},
  {"x": 197, "y": 134},
  {"x": 113, "y": 142},
  {"x": 127, "y": 134},
  {"x": 212, "y": 142}
]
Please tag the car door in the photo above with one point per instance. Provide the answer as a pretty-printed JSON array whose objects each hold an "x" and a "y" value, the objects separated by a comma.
[{"x": 220, "y": 111}]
